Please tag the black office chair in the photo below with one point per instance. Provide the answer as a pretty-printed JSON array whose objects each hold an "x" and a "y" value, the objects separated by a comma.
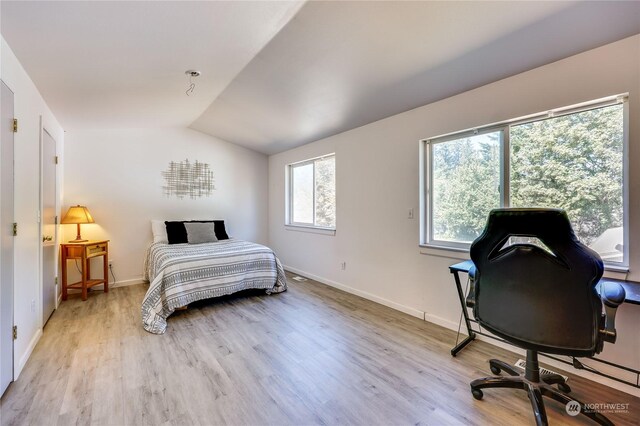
[{"x": 540, "y": 299}]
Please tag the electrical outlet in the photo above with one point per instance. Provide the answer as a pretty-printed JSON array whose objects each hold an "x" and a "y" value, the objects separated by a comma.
[
  {"x": 343, "y": 265},
  {"x": 33, "y": 306},
  {"x": 110, "y": 263},
  {"x": 410, "y": 215}
]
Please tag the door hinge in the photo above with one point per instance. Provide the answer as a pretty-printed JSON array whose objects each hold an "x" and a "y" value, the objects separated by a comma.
[
  {"x": 56, "y": 280},
  {"x": 15, "y": 125},
  {"x": 55, "y": 221},
  {"x": 15, "y": 229},
  {"x": 56, "y": 159},
  {"x": 15, "y": 332}
]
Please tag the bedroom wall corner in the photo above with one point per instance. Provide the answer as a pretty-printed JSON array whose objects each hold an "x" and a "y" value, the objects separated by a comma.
[{"x": 117, "y": 175}]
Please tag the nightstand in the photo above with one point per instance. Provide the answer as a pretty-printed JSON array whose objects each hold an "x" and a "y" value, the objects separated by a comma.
[{"x": 85, "y": 251}]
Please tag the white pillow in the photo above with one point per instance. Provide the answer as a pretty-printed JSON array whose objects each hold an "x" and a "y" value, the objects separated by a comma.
[{"x": 159, "y": 230}]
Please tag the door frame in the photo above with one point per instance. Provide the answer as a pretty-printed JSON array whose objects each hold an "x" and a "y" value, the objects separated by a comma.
[
  {"x": 43, "y": 129},
  {"x": 13, "y": 286}
]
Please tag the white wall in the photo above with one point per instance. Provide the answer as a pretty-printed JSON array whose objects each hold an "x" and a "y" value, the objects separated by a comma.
[
  {"x": 29, "y": 107},
  {"x": 117, "y": 175},
  {"x": 378, "y": 178}
]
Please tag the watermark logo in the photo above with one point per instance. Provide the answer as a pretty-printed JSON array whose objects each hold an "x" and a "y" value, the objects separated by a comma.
[{"x": 572, "y": 408}]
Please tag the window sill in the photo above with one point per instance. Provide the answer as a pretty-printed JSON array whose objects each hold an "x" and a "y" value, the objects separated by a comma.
[
  {"x": 616, "y": 272},
  {"x": 310, "y": 229},
  {"x": 443, "y": 251}
]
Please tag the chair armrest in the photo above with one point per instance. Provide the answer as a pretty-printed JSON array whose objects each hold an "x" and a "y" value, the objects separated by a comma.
[
  {"x": 470, "y": 301},
  {"x": 612, "y": 295}
]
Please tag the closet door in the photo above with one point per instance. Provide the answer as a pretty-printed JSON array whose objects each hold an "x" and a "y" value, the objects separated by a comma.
[{"x": 49, "y": 225}]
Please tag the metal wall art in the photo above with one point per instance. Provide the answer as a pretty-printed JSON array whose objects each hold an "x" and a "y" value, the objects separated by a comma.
[{"x": 184, "y": 179}]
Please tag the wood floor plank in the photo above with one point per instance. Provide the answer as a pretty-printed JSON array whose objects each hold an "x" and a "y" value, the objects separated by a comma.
[{"x": 313, "y": 355}]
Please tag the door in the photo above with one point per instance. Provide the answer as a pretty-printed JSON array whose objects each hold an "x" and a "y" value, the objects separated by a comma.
[
  {"x": 6, "y": 237},
  {"x": 49, "y": 221}
]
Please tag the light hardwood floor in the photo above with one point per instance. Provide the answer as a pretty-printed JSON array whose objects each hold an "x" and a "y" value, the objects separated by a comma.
[{"x": 311, "y": 355}]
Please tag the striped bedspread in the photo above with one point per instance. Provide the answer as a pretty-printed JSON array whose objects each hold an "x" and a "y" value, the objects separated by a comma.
[{"x": 183, "y": 273}]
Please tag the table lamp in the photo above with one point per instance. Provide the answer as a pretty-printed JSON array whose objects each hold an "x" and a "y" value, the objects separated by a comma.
[{"x": 77, "y": 214}]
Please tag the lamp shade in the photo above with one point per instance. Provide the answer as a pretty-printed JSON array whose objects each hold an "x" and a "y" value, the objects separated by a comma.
[{"x": 77, "y": 214}]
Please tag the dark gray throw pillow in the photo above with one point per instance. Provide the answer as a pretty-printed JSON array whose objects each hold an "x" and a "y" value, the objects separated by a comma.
[
  {"x": 200, "y": 232},
  {"x": 221, "y": 232}
]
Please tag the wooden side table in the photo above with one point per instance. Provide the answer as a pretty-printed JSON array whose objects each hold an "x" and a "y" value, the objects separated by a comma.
[{"x": 85, "y": 251}]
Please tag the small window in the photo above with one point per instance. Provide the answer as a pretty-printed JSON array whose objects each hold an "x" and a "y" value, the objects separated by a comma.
[
  {"x": 571, "y": 158},
  {"x": 312, "y": 193}
]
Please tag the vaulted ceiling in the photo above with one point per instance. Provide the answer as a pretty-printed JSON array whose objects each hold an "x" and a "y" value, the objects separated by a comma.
[
  {"x": 115, "y": 64},
  {"x": 276, "y": 75}
]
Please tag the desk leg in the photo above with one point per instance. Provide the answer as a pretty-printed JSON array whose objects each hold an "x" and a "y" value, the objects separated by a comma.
[
  {"x": 465, "y": 314},
  {"x": 460, "y": 346},
  {"x": 105, "y": 266},
  {"x": 84, "y": 277}
]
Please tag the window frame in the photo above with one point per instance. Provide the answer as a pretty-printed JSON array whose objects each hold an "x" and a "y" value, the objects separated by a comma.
[
  {"x": 289, "y": 194},
  {"x": 426, "y": 170}
]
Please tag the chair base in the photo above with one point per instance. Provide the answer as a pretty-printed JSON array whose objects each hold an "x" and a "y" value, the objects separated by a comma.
[{"x": 536, "y": 388}]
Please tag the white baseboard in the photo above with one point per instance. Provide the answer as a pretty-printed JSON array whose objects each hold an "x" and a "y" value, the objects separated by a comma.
[
  {"x": 25, "y": 357},
  {"x": 397, "y": 306},
  {"x": 125, "y": 283},
  {"x": 442, "y": 322}
]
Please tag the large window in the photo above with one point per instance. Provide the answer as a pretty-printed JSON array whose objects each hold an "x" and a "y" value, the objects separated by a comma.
[
  {"x": 573, "y": 158},
  {"x": 312, "y": 193}
]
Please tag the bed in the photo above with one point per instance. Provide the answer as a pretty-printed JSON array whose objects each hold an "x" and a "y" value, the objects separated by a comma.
[{"x": 180, "y": 274}]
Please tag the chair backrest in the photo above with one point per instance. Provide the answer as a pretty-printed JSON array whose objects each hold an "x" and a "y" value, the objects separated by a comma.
[{"x": 537, "y": 298}]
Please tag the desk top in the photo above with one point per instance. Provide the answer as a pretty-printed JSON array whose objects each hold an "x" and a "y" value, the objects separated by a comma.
[
  {"x": 631, "y": 288},
  {"x": 84, "y": 243}
]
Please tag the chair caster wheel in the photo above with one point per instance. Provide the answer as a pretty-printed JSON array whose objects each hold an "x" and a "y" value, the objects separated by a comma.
[
  {"x": 495, "y": 370},
  {"x": 477, "y": 394},
  {"x": 564, "y": 387}
]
